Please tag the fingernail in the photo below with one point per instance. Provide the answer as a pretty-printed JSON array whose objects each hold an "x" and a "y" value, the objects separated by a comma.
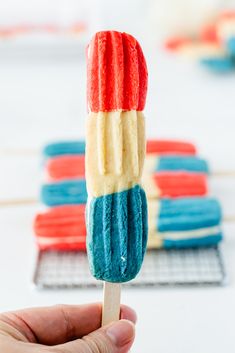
[{"x": 121, "y": 332}]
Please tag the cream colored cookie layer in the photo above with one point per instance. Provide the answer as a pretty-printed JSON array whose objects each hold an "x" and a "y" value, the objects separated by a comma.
[
  {"x": 150, "y": 163},
  {"x": 115, "y": 151},
  {"x": 154, "y": 242},
  {"x": 199, "y": 50},
  {"x": 155, "y": 238},
  {"x": 150, "y": 187},
  {"x": 153, "y": 212},
  {"x": 226, "y": 28},
  {"x": 56, "y": 240}
]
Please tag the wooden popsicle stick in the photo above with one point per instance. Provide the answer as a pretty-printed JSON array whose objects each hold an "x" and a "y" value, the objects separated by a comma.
[
  {"x": 223, "y": 173},
  {"x": 111, "y": 303},
  {"x": 19, "y": 152},
  {"x": 28, "y": 152},
  {"x": 229, "y": 218},
  {"x": 18, "y": 202}
]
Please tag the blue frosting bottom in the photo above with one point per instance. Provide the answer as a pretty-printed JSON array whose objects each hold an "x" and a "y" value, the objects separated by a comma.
[
  {"x": 231, "y": 46},
  {"x": 117, "y": 234},
  {"x": 223, "y": 64},
  {"x": 176, "y": 163},
  {"x": 63, "y": 148},
  {"x": 209, "y": 240},
  {"x": 188, "y": 214},
  {"x": 64, "y": 193}
]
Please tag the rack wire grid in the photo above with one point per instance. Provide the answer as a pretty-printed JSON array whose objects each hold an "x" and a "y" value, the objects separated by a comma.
[{"x": 176, "y": 267}]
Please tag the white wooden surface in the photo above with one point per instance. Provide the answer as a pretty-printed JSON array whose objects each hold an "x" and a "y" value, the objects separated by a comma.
[{"x": 43, "y": 100}]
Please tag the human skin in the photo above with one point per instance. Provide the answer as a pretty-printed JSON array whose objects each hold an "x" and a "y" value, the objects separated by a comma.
[{"x": 65, "y": 329}]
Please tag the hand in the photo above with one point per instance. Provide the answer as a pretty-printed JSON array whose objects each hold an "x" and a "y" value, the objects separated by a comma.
[{"x": 65, "y": 329}]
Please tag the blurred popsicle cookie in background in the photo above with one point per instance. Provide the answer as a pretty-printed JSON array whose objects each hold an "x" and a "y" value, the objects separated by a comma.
[
  {"x": 212, "y": 55},
  {"x": 156, "y": 185},
  {"x": 61, "y": 228},
  {"x": 184, "y": 223},
  {"x": 213, "y": 47},
  {"x": 226, "y": 31},
  {"x": 181, "y": 223}
]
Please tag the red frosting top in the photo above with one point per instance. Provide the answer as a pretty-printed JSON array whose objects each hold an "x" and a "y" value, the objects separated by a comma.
[
  {"x": 175, "y": 147},
  {"x": 209, "y": 33},
  {"x": 66, "y": 167},
  {"x": 228, "y": 15},
  {"x": 175, "y": 43},
  {"x": 117, "y": 75},
  {"x": 178, "y": 184},
  {"x": 61, "y": 221}
]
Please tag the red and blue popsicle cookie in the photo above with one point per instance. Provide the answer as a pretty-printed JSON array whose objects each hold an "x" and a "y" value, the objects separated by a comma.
[
  {"x": 115, "y": 151},
  {"x": 184, "y": 223},
  {"x": 116, "y": 213}
]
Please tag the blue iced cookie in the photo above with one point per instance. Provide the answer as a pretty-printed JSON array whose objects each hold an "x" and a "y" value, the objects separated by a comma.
[
  {"x": 209, "y": 240},
  {"x": 231, "y": 47},
  {"x": 179, "y": 163},
  {"x": 119, "y": 241},
  {"x": 188, "y": 214},
  {"x": 218, "y": 64},
  {"x": 64, "y": 193},
  {"x": 63, "y": 148}
]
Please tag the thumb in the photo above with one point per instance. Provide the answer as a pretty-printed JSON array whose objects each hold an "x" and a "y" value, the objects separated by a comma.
[{"x": 117, "y": 337}]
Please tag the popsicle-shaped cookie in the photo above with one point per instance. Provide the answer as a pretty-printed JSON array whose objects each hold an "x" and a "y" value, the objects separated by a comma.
[
  {"x": 185, "y": 222},
  {"x": 115, "y": 149}
]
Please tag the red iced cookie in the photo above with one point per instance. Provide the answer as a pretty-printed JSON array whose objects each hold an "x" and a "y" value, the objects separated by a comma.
[
  {"x": 227, "y": 15},
  {"x": 66, "y": 167},
  {"x": 170, "y": 147},
  {"x": 61, "y": 228},
  {"x": 178, "y": 184},
  {"x": 176, "y": 43},
  {"x": 117, "y": 73},
  {"x": 209, "y": 34}
]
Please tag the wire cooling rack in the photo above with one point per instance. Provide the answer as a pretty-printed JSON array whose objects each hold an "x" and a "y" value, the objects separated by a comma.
[{"x": 189, "y": 267}]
